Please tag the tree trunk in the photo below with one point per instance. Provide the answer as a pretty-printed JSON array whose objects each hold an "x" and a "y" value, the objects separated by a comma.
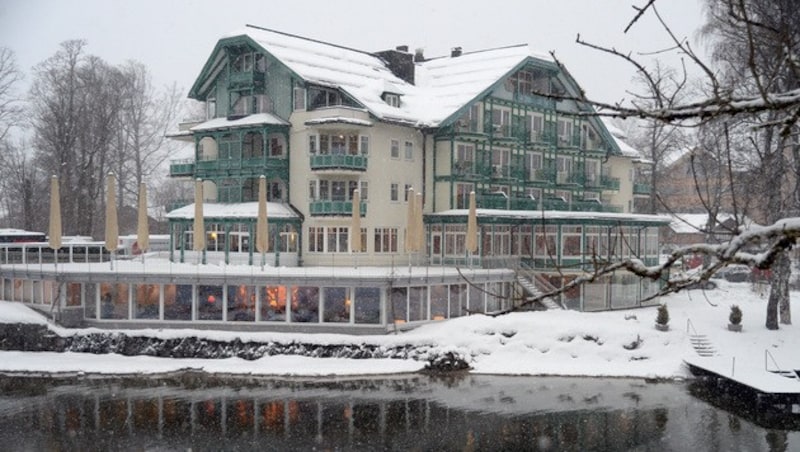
[
  {"x": 779, "y": 293},
  {"x": 784, "y": 309}
]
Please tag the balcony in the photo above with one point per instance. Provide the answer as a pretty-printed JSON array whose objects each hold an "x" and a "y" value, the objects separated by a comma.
[
  {"x": 334, "y": 208},
  {"x": 609, "y": 183},
  {"x": 181, "y": 168},
  {"x": 467, "y": 126},
  {"x": 464, "y": 168},
  {"x": 593, "y": 205},
  {"x": 346, "y": 162},
  {"x": 641, "y": 189},
  {"x": 245, "y": 78},
  {"x": 239, "y": 167}
]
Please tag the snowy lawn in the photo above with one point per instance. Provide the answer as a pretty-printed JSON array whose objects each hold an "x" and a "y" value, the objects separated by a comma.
[{"x": 605, "y": 344}]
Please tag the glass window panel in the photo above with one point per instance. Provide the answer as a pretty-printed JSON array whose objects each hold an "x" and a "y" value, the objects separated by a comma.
[
  {"x": 418, "y": 303},
  {"x": 90, "y": 307},
  {"x": 241, "y": 303},
  {"x": 368, "y": 305},
  {"x": 439, "y": 302},
  {"x": 399, "y": 304},
  {"x": 113, "y": 301},
  {"x": 337, "y": 305},
  {"x": 273, "y": 303},
  {"x": 177, "y": 302},
  {"x": 145, "y": 301},
  {"x": 209, "y": 302},
  {"x": 305, "y": 304}
]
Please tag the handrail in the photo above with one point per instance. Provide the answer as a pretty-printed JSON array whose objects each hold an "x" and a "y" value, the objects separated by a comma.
[
  {"x": 766, "y": 363},
  {"x": 690, "y": 324}
]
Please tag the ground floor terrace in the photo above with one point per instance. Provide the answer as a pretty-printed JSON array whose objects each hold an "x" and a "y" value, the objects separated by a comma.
[{"x": 156, "y": 293}]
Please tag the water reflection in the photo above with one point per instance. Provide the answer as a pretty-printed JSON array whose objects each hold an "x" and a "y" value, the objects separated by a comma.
[{"x": 411, "y": 413}]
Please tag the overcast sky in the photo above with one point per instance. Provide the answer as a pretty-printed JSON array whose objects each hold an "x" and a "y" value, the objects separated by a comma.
[{"x": 175, "y": 37}]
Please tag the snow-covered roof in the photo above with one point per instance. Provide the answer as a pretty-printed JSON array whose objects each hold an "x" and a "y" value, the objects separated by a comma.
[
  {"x": 339, "y": 120},
  {"x": 620, "y": 137},
  {"x": 535, "y": 215},
  {"x": 361, "y": 74},
  {"x": 449, "y": 83},
  {"x": 442, "y": 85},
  {"x": 18, "y": 232},
  {"x": 236, "y": 210},
  {"x": 689, "y": 223},
  {"x": 247, "y": 121}
]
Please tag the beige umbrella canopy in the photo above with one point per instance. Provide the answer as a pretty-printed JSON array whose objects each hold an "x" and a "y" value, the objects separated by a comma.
[
  {"x": 112, "y": 225},
  {"x": 419, "y": 226},
  {"x": 142, "y": 226},
  {"x": 199, "y": 230},
  {"x": 54, "y": 232},
  {"x": 472, "y": 226},
  {"x": 262, "y": 230},
  {"x": 355, "y": 226},
  {"x": 411, "y": 240}
]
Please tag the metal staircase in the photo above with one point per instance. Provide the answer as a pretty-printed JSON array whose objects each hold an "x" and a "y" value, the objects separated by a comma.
[
  {"x": 700, "y": 342},
  {"x": 534, "y": 292},
  {"x": 702, "y": 345}
]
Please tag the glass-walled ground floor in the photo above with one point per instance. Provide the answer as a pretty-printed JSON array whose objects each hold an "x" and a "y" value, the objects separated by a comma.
[
  {"x": 369, "y": 304},
  {"x": 620, "y": 290}
]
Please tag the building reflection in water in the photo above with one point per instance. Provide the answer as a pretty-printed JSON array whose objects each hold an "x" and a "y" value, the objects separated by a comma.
[{"x": 382, "y": 415}]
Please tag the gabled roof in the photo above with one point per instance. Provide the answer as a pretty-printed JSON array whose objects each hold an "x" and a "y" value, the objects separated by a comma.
[
  {"x": 450, "y": 83},
  {"x": 360, "y": 74},
  {"x": 444, "y": 86},
  {"x": 620, "y": 138}
]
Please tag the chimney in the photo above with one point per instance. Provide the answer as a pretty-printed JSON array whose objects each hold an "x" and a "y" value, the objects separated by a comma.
[
  {"x": 399, "y": 61},
  {"x": 455, "y": 52},
  {"x": 418, "y": 56}
]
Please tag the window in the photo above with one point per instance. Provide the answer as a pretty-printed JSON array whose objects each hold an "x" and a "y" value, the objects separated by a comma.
[
  {"x": 299, "y": 95},
  {"x": 276, "y": 146},
  {"x": 392, "y": 99},
  {"x": 393, "y": 195},
  {"x": 407, "y": 190},
  {"x": 263, "y": 104},
  {"x": 253, "y": 145},
  {"x": 385, "y": 240},
  {"x": 564, "y": 131},
  {"x": 316, "y": 239},
  {"x": 536, "y": 127},
  {"x": 409, "y": 150},
  {"x": 364, "y": 190},
  {"x": 500, "y": 122},
  {"x": 364, "y": 145},
  {"x": 395, "y": 149},
  {"x": 464, "y": 161},
  {"x": 312, "y": 190},
  {"x": 312, "y": 144},
  {"x": 462, "y": 195},
  {"x": 211, "y": 108},
  {"x": 319, "y": 97}
]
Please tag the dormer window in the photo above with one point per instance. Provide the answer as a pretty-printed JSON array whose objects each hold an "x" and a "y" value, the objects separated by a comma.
[{"x": 392, "y": 99}]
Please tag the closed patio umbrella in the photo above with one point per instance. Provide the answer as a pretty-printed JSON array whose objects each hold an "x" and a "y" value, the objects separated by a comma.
[
  {"x": 419, "y": 227},
  {"x": 411, "y": 241},
  {"x": 472, "y": 226},
  {"x": 199, "y": 230},
  {"x": 142, "y": 225},
  {"x": 112, "y": 225},
  {"x": 355, "y": 225},
  {"x": 262, "y": 229},
  {"x": 54, "y": 232}
]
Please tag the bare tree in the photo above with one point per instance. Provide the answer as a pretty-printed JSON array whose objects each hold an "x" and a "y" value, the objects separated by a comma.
[
  {"x": 10, "y": 76},
  {"x": 140, "y": 144},
  {"x": 75, "y": 100}
]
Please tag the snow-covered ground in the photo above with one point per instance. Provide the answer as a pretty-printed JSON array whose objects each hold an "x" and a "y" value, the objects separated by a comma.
[{"x": 606, "y": 344}]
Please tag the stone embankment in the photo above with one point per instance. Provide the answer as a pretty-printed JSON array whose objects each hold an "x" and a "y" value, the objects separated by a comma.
[{"x": 38, "y": 338}]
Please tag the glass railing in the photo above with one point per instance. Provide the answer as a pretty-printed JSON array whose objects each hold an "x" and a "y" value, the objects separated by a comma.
[
  {"x": 641, "y": 189},
  {"x": 339, "y": 161},
  {"x": 324, "y": 207},
  {"x": 183, "y": 167}
]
